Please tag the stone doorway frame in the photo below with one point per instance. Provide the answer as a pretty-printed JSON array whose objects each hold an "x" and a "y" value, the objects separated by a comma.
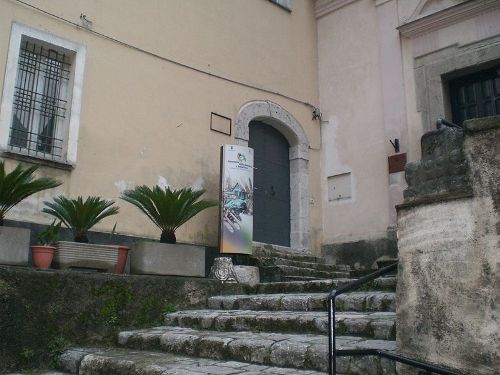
[{"x": 276, "y": 116}]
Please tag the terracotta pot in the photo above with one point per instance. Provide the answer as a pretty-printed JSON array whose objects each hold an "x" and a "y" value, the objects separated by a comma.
[
  {"x": 122, "y": 259},
  {"x": 42, "y": 256}
]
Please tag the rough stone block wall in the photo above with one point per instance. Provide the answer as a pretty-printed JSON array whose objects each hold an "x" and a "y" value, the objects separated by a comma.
[
  {"x": 43, "y": 312},
  {"x": 449, "y": 233}
]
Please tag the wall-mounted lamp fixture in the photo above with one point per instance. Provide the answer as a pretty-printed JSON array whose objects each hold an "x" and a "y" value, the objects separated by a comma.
[
  {"x": 85, "y": 21},
  {"x": 316, "y": 114},
  {"x": 395, "y": 144}
]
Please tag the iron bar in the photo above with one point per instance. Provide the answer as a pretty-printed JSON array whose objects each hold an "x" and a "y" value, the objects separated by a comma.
[{"x": 40, "y": 101}]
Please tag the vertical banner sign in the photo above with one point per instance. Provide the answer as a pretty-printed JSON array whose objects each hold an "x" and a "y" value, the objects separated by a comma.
[{"x": 236, "y": 195}]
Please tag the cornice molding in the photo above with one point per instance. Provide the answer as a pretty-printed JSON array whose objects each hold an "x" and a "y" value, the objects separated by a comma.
[
  {"x": 446, "y": 17},
  {"x": 324, "y": 7}
]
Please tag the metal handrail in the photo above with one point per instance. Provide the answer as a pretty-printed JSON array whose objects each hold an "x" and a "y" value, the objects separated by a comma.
[{"x": 332, "y": 349}]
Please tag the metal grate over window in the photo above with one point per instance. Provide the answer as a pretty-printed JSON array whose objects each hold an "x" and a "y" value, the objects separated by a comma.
[{"x": 40, "y": 101}]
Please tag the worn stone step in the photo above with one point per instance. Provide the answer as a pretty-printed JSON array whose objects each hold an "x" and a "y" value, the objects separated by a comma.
[
  {"x": 276, "y": 273},
  {"x": 357, "y": 301},
  {"x": 265, "y": 251},
  {"x": 379, "y": 325},
  {"x": 299, "y": 278},
  {"x": 326, "y": 285},
  {"x": 119, "y": 361},
  {"x": 303, "y": 351},
  {"x": 278, "y": 261}
]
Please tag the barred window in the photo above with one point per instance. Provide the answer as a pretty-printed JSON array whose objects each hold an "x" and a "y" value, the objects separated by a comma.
[{"x": 40, "y": 101}]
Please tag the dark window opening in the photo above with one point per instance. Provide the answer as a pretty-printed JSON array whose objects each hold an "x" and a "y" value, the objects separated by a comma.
[
  {"x": 40, "y": 101},
  {"x": 475, "y": 95}
]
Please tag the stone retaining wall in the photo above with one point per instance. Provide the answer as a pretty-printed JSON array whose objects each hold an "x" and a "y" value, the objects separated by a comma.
[{"x": 41, "y": 312}]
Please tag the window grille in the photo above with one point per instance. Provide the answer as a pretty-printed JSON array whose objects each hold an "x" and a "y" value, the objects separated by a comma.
[{"x": 40, "y": 101}]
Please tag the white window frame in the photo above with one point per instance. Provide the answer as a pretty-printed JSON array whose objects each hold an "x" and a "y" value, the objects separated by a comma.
[{"x": 75, "y": 91}]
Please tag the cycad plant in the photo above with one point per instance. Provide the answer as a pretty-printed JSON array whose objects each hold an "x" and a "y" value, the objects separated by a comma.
[
  {"x": 19, "y": 184},
  {"x": 80, "y": 215},
  {"x": 168, "y": 209}
]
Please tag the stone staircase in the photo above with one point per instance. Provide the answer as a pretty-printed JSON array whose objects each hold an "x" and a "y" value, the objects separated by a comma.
[
  {"x": 284, "y": 264},
  {"x": 279, "y": 327}
]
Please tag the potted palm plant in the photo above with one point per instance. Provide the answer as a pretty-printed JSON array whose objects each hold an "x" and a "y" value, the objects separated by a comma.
[
  {"x": 80, "y": 216},
  {"x": 168, "y": 209},
  {"x": 15, "y": 186},
  {"x": 43, "y": 252}
]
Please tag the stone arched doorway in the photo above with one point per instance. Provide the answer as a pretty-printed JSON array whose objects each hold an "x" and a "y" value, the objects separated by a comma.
[{"x": 272, "y": 114}]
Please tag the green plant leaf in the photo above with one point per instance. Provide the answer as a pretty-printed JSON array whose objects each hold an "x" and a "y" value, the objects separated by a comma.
[
  {"x": 19, "y": 184},
  {"x": 168, "y": 209},
  {"x": 79, "y": 215}
]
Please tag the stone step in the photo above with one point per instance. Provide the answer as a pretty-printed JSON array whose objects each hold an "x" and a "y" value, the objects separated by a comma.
[
  {"x": 303, "y": 351},
  {"x": 387, "y": 284},
  {"x": 357, "y": 301},
  {"x": 277, "y": 261},
  {"x": 379, "y": 325},
  {"x": 121, "y": 361},
  {"x": 299, "y": 278},
  {"x": 266, "y": 251},
  {"x": 276, "y": 273}
]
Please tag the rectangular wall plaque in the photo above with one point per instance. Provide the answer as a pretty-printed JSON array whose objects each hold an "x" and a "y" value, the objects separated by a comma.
[
  {"x": 220, "y": 124},
  {"x": 397, "y": 163}
]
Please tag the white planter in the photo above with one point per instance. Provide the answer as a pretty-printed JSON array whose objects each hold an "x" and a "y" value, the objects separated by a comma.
[
  {"x": 155, "y": 258},
  {"x": 14, "y": 246},
  {"x": 106, "y": 258}
]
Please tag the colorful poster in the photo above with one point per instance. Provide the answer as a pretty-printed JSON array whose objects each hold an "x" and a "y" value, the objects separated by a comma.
[{"x": 236, "y": 199}]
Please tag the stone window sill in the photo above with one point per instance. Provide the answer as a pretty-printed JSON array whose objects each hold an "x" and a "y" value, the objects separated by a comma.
[{"x": 36, "y": 160}]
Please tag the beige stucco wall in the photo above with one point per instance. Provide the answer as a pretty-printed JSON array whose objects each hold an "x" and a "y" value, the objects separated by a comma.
[
  {"x": 353, "y": 132},
  {"x": 378, "y": 82},
  {"x": 143, "y": 117}
]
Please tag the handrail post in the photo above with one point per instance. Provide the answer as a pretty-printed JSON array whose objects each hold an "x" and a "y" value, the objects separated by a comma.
[{"x": 332, "y": 357}]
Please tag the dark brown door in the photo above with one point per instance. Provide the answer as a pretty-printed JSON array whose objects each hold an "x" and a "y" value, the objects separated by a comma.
[{"x": 271, "y": 210}]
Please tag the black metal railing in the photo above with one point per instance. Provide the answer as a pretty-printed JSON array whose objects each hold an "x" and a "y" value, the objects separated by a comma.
[{"x": 332, "y": 348}]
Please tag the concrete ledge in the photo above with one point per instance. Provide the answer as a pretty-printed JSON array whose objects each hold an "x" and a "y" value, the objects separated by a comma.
[
  {"x": 14, "y": 246},
  {"x": 155, "y": 258},
  {"x": 482, "y": 124}
]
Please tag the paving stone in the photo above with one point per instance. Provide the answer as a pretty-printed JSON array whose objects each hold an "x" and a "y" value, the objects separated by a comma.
[{"x": 357, "y": 301}]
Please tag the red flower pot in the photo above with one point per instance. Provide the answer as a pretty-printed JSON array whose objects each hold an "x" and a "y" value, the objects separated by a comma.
[
  {"x": 42, "y": 256},
  {"x": 122, "y": 259}
]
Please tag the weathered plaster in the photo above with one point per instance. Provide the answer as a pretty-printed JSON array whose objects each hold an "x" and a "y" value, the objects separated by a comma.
[
  {"x": 277, "y": 117},
  {"x": 448, "y": 281}
]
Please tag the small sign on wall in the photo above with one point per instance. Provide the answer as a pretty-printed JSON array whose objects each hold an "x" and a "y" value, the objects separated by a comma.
[
  {"x": 339, "y": 187},
  {"x": 220, "y": 124},
  {"x": 236, "y": 200},
  {"x": 397, "y": 163}
]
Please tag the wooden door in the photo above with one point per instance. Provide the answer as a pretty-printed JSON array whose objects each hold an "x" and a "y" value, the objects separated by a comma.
[{"x": 271, "y": 213}]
